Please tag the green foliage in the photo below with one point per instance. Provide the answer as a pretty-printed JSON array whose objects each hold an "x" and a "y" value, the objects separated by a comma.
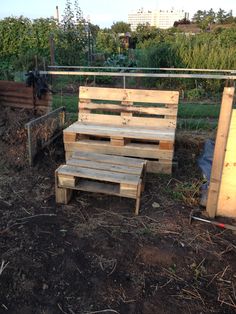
[
  {"x": 107, "y": 42},
  {"x": 195, "y": 94},
  {"x": 204, "y": 19},
  {"x": 72, "y": 37},
  {"x": 120, "y": 27}
]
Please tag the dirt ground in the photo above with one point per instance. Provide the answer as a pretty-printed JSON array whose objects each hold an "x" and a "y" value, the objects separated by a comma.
[{"x": 94, "y": 255}]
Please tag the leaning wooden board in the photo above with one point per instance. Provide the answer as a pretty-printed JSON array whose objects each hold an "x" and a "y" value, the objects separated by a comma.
[
  {"x": 219, "y": 152},
  {"x": 99, "y": 173},
  {"x": 227, "y": 193}
]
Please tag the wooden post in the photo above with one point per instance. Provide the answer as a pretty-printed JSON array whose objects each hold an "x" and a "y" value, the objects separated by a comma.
[
  {"x": 219, "y": 152},
  {"x": 52, "y": 49},
  {"x": 227, "y": 196}
]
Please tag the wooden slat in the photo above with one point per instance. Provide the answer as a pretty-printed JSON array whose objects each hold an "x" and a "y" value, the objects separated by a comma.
[
  {"x": 26, "y": 94},
  {"x": 132, "y": 95},
  {"x": 109, "y": 159},
  {"x": 103, "y": 166},
  {"x": 134, "y": 109},
  {"x": 131, "y": 150},
  {"x": 100, "y": 175},
  {"x": 122, "y": 131},
  {"x": 16, "y": 105},
  {"x": 15, "y": 100},
  {"x": 98, "y": 187},
  {"x": 127, "y": 121},
  {"x": 219, "y": 152},
  {"x": 227, "y": 195},
  {"x": 12, "y": 83}
]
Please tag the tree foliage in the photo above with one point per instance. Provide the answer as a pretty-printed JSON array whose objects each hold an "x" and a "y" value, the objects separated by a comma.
[{"x": 120, "y": 27}]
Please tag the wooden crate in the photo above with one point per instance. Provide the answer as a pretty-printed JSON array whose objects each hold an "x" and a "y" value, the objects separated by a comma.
[
  {"x": 135, "y": 123},
  {"x": 100, "y": 173}
]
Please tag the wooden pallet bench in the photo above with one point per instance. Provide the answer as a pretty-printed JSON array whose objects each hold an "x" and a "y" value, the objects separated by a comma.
[
  {"x": 99, "y": 173},
  {"x": 126, "y": 122}
]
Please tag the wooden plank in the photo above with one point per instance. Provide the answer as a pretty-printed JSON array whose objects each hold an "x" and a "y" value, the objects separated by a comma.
[
  {"x": 219, "y": 152},
  {"x": 131, "y": 95},
  {"x": 166, "y": 145},
  {"x": 16, "y": 105},
  {"x": 165, "y": 134},
  {"x": 26, "y": 94},
  {"x": 104, "y": 166},
  {"x": 127, "y": 121},
  {"x": 117, "y": 141},
  {"x": 100, "y": 175},
  {"x": 16, "y": 100},
  {"x": 110, "y": 159},
  {"x": 227, "y": 195},
  {"x": 134, "y": 109},
  {"x": 98, "y": 187},
  {"x": 101, "y": 187},
  {"x": 12, "y": 83},
  {"x": 131, "y": 150}
]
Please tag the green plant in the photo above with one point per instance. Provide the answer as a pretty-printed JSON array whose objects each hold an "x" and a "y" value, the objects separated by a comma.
[{"x": 195, "y": 94}]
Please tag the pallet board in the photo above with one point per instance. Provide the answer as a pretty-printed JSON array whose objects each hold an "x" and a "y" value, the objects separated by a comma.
[
  {"x": 227, "y": 192},
  {"x": 101, "y": 174},
  {"x": 135, "y": 123},
  {"x": 219, "y": 152},
  {"x": 18, "y": 95}
]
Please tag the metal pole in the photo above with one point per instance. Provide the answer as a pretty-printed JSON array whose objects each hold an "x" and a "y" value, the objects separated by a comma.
[
  {"x": 119, "y": 74},
  {"x": 124, "y": 82}
]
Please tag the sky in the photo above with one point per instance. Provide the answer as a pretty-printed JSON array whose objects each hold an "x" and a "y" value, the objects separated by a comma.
[{"x": 105, "y": 12}]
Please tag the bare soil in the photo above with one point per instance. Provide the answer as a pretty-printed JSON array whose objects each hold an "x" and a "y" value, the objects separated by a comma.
[{"x": 94, "y": 255}]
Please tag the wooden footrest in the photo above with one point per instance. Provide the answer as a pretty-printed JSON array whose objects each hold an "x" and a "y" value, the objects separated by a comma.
[{"x": 99, "y": 173}]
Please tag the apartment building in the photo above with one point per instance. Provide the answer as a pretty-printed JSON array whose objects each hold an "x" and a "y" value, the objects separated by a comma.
[
  {"x": 158, "y": 18},
  {"x": 140, "y": 17}
]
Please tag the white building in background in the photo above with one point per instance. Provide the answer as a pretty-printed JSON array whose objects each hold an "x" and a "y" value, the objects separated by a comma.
[
  {"x": 158, "y": 18},
  {"x": 139, "y": 17}
]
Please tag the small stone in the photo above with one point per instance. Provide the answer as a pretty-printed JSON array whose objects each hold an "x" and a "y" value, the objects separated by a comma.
[
  {"x": 45, "y": 286},
  {"x": 156, "y": 205}
]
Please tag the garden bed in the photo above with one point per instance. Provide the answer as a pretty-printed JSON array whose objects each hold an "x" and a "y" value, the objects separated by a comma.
[{"x": 94, "y": 256}]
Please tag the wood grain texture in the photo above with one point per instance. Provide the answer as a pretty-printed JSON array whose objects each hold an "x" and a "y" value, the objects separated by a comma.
[
  {"x": 131, "y": 150},
  {"x": 147, "y": 133},
  {"x": 219, "y": 152},
  {"x": 227, "y": 195},
  {"x": 130, "y": 95}
]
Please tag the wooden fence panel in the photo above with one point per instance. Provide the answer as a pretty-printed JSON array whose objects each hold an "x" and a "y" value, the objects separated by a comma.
[{"x": 18, "y": 95}]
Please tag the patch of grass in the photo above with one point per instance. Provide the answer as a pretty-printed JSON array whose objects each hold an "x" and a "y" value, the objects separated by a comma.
[
  {"x": 196, "y": 124},
  {"x": 198, "y": 111},
  {"x": 70, "y": 102}
]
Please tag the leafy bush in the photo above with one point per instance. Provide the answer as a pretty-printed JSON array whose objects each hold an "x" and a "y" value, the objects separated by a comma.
[{"x": 195, "y": 94}]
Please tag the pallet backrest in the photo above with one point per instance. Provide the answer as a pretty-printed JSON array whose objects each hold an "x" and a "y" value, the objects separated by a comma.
[{"x": 130, "y": 107}]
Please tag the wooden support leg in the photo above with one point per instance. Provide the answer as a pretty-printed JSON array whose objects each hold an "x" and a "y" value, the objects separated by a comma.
[
  {"x": 144, "y": 177},
  {"x": 63, "y": 196},
  {"x": 138, "y": 198}
]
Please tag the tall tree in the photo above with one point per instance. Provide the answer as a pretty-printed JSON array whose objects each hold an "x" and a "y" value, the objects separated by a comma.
[{"x": 120, "y": 27}]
